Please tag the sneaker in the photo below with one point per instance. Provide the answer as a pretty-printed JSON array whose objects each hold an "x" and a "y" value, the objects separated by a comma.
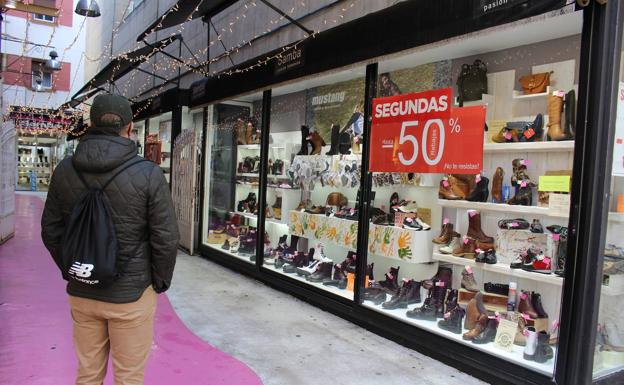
[
  {"x": 409, "y": 207},
  {"x": 455, "y": 243},
  {"x": 234, "y": 245},
  {"x": 539, "y": 264},
  {"x": 412, "y": 224},
  {"x": 424, "y": 225}
]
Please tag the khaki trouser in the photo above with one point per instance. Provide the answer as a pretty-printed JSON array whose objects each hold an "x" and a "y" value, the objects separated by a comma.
[{"x": 124, "y": 330}]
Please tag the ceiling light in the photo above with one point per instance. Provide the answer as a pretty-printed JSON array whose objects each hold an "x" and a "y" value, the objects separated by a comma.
[
  {"x": 53, "y": 64},
  {"x": 88, "y": 8}
]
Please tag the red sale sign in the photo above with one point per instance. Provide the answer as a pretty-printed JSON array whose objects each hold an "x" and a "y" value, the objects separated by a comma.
[{"x": 421, "y": 133}]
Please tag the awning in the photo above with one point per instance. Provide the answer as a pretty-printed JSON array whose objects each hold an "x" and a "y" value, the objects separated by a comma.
[
  {"x": 120, "y": 66},
  {"x": 184, "y": 10}
]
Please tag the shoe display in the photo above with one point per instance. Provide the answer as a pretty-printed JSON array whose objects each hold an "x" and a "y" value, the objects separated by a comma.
[
  {"x": 453, "y": 245},
  {"x": 536, "y": 226},
  {"x": 412, "y": 224},
  {"x": 474, "y": 228},
  {"x": 555, "y": 131},
  {"x": 468, "y": 281},
  {"x": 305, "y": 132},
  {"x": 466, "y": 248},
  {"x": 446, "y": 234},
  {"x": 323, "y": 272},
  {"x": 408, "y": 207},
  {"x": 335, "y": 137},
  {"x": 453, "y": 320},
  {"x": 481, "y": 190},
  {"x": 391, "y": 283},
  {"x": 488, "y": 334},
  {"x": 530, "y": 346},
  {"x": 433, "y": 306},
  {"x": 477, "y": 327},
  {"x": 446, "y": 192},
  {"x": 513, "y": 224},
  {"x": 526, "y": 307},
  {"x": 496, "y": 288},
  {"x": 408, "y": 294},
  {"x": 475, "y": 310},
  {"x": 317, "y": 143}
]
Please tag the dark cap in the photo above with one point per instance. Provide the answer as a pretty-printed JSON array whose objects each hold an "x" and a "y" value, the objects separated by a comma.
[{"x": 110, "y": 104}]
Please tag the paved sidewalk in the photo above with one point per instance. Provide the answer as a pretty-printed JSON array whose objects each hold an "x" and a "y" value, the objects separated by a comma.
[
  {"x": 36, "y": 337},
  {"x": 289, "y": 342}
]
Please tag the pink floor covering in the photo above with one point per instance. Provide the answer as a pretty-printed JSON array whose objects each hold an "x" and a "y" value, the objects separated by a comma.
[{"x": 35, "y": 325}]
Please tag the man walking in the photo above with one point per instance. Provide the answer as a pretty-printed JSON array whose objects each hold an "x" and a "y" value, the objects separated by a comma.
[{"x": 116, "y": 318}]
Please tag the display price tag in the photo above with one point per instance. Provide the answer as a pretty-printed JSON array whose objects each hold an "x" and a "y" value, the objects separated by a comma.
[
  {"x": 559, "y": 204},
  {"x": 505, "y": 334},
  {"x": 554, "y": 183},
  {"x": 421, "y": 133}
]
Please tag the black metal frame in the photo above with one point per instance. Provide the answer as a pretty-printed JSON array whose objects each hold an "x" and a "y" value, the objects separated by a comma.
[{"x": 582, "y": 283}]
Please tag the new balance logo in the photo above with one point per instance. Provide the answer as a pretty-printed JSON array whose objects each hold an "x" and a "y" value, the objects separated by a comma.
[{"x": 81, "y": 269}]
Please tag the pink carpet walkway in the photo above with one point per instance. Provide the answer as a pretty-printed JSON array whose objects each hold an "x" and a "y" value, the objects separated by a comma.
[{"x": 35, "y": 325}]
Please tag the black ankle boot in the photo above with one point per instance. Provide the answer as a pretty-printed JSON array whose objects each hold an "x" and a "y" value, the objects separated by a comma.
[
  {"x": 570, "y": 113},
  {"x": 481, "y": 191},
  {"x": 524, "y": 197},
  {"x": 305, "y": 132},
  {"x": 453, "y": 320},
  {"x": 344, "y": 141},
  {"x": 335, "y": 138}
]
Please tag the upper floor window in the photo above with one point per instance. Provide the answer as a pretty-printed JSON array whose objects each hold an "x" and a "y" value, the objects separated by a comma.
[
  {"x": 132, "y": 5},
  {"x": 40, "y": 76},
  {"x": 42, "y": 17}
]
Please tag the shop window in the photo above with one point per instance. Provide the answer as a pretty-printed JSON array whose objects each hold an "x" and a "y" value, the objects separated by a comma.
[
  {"x": 232, "y": 164},
  {"x": 158, "y": 144},
  {"x": 469, "y": 211},
  {"x": 609, "y": 344}
]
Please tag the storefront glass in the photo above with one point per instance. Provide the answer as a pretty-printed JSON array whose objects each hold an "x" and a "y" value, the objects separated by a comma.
[
  {"x": 477, "y": 255},
  {"x": 609, "y": 348},
  {"x": 232, "y": 166},
  {"x": 314, "y": 179},
  {"x": 158, "y": 143},
  {"x": 37, "y": 156},
  {"x": 139, "y": 136}
]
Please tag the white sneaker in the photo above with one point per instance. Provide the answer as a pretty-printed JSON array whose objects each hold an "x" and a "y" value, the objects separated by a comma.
[
  {"x": 424, "y": 225},
  {"x": 451, "y": 246},
  {"x": 410, "y": 207}
]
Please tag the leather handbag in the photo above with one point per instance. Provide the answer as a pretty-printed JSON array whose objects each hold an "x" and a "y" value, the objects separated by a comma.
[
  {"x": 536, "y": 83},
  {"x": 472, "y": 82}
]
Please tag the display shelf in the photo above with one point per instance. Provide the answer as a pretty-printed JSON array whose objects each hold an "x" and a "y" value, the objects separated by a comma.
[
  {"x": 520, "y": 95},
  {"x": 234, "y": 255},
  {"x": 499, "y": 207},
  {"x": 254, "y": 216},
  {"x": 256, "y": 175},
  {"x": 396, "y": 243},
  {"x": 515, "y": 356},
  {"x": 561, "y": 146},
  {"x": 500, "y": 268},
  {"x": 608, "y": 370},
  {"x": 249, "y": 146},
  {"x": 332, "y": 289}
]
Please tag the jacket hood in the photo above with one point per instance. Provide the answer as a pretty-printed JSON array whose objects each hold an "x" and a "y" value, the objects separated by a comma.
[{"x": 102, "y": 153}]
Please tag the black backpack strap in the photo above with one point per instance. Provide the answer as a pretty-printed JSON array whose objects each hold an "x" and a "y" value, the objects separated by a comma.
[{"x": 120, "y": 171}]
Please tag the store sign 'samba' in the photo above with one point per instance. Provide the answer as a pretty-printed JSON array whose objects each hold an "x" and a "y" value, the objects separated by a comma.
[{"x": 422, "y": 133}]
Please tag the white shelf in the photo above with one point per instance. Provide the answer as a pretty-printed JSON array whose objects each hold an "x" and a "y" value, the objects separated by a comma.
[
  {"x": 515, "y": 356},
  {"x": 520, "y": 95},
  {"x": 256, "y": 175},
  {"x": 249, "y": 146},
  {"x": 332, "y": 289},
  {"x": 500, "y": 268},
  {"x": 254, "y": 216},
  {"x": 561, "y": 146},
  {"x": 499, "y": 207}
]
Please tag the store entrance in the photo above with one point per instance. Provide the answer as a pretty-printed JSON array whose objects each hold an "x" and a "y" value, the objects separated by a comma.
[{"x": 37, "y": 156}]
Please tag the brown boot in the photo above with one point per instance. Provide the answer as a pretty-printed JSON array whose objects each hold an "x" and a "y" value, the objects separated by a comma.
[
  {"x": 555, "y": 107},
  {"x": 249, "y": 134},
  {"x": 497, "y": 185},
  {"x": 445, "y": 191},
  {"x": 239, "y": 131},
  {"x": 466, "y": 248},
  {"x": 460, "y": 185},
  {"x": 446, "y": 235},
  {"x": 525, "y": 306},
  {"x": 317, "y": 143},
  {"x": 474, "y": 228},
  {"x": 477, "y": 329},
  {"x": 474, "y": 310}
]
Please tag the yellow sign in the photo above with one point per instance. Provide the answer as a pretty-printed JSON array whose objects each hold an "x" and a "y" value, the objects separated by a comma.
[{"x": 554, "y": 183}]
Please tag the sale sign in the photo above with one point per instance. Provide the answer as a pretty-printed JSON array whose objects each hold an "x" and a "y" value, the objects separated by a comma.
[{"x": 421, "y": 133}]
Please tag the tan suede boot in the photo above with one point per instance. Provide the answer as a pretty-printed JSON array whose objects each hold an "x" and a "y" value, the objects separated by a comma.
[{"x": 555, "y": 107}]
